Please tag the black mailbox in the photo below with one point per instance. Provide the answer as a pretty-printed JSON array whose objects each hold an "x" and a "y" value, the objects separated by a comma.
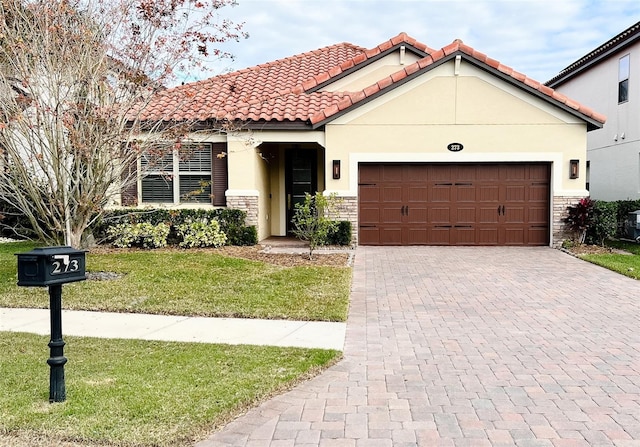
[{"x": 48, "y": 266}]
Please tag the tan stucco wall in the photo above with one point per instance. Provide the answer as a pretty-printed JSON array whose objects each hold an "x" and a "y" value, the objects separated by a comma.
[{"x": 494, "y": 121}]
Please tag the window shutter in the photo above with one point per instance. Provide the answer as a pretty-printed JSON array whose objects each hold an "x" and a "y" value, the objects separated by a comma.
[
  {"x": 129, "y": 177},
  {"x": 219, "y": 172}
]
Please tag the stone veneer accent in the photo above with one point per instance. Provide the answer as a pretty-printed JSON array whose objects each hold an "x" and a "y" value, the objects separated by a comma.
[
  {"x": 348, "y": 210},
  {"x": 560, "y": 212},
  {"x": 249, "y": 204}
]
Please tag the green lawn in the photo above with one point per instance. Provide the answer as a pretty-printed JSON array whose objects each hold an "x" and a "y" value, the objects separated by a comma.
[
  {"x": 187, "y": 282},
  {"x": 628, "y": 265},
  {"x": 142, "y": 393}
]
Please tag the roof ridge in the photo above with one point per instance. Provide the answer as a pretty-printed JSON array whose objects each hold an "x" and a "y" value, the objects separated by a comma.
[
  {"x": 456, "y": 46},
  {"x": 402, "y": 37}
]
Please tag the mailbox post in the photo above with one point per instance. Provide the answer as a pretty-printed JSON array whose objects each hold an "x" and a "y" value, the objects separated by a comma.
[{"x": 51, "y": 267}]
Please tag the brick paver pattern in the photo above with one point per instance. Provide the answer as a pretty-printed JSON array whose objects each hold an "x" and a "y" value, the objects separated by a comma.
[{"x": 468, "y": 346}]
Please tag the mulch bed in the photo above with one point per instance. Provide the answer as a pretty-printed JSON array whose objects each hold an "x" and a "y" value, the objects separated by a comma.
[
  {"x": 255, "y": 253},
  {"x": 586, "y": 249}
]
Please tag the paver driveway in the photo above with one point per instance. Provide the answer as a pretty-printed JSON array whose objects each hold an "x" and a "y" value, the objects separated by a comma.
[{"x": 470, "y": 346}]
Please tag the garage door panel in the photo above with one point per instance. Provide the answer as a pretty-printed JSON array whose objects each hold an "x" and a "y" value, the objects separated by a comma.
[
  {"x": 391, "y": 236},
  {"x": 490, "y": 173},
  {"x": 488, "y": 214},
  {"x": 516, "y": 172},
  {"x": 370, "y": 174},
  {"x": 487, "y": 236},
  {"x": 441, "y": 173},
  {"x": 416, "y": 173},
  {"x": 514, "y": 214},
  {"x": 515, "y": 193},
  {"x": 369, "y": 235},
  {"x": 539, "y": 193},
  {"x": 392, "y": 173},
  {"x": 391, "y": 214},
  {"x": 417, "y": 214},
  {"x": 441, "y": 193},
  {"x": 465, "y": 236},
  {"x": 418, "y": 194},
  {"x": 537, "y": 236},
  {"x": 418, "y": 236},
  {"x": 466, "y": 215},
  {"x": 465, "y": 173},
  {"x": 440, "y": 236},
  {"x": 392, "y": 194},
  {"x": 514, "y": 236},
  {"x": 538, "y": 216},
  {"x": 488, "y": 193},
  {"x": 465, "y": 194},
  {"x": 539, "y": 172},
  {"x": 369, "y": 216},
  {"x": 369, "y": 194},
  {"x": 454, "y": 204},
  {"x": 440, "y": 216}
]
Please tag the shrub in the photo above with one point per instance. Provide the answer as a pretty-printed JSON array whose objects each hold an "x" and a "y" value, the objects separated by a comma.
[
  {"x": 141, "y": 234},
  {"x": 201, "y": 233},
  {"x": 245, "y": 236},
  {"x": 604, "y": 222},
  {"x": 312, "y": 222},
  {"x": 340, "y": 234},
  {"x": 579, "y": 218},
  {"x": 232, "y": 222}
]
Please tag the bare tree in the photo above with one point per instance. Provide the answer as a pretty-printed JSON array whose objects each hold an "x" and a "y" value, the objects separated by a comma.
[{"x": 74, "y": 77}]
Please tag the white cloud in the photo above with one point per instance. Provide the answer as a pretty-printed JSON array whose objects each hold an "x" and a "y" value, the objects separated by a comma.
[{"x": 538, "y": 38}]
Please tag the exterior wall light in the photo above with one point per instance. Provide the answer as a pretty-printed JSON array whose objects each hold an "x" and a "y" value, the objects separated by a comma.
[
  {"x": 574, "y": 169},
  {"x": 336, "y": 169}
]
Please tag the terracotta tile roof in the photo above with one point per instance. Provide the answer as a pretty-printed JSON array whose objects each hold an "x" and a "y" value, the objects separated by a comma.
[
  {"x": 286, "y": 90},
  {"x": 241, "y": 94}
]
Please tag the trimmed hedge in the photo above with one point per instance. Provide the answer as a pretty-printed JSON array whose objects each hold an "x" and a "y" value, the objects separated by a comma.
[
  {"x": 231, "y": 222},
  {"x": 610, "y": 220},
  {"x": 340, "y": 234}
]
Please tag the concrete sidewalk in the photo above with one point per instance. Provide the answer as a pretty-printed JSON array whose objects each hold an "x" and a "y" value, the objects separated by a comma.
[{"x": 304, "y": 334}]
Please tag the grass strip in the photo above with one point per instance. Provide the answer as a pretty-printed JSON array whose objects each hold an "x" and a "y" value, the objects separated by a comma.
[{"x": 142, "y": 393}]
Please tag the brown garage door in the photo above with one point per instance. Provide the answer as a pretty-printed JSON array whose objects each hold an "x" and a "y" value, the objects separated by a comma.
[{"x": 454, "y": 204}]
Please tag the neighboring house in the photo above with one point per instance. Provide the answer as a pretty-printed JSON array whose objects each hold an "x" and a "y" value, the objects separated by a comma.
[
  {"x": 424, "y": 146},
  {"x": 608, "y": 79}
]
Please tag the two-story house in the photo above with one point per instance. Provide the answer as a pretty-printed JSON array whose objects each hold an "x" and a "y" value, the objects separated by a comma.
[{"x": 608, "y": 80}]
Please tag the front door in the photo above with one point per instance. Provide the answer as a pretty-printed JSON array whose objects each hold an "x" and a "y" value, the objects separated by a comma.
[{"x": 301, "y": 177}]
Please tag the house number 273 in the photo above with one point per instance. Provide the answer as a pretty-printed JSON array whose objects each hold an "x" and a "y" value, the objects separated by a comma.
[{"x": 62, "y": 264}]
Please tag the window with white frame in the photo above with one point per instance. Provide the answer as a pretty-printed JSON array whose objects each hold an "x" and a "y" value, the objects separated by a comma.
[
  {"x": 184, "y": 175},
  {"x": 623, "y": 79}
]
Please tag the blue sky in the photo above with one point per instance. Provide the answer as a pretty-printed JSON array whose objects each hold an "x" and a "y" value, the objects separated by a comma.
[{"x": 535, "y": 37}]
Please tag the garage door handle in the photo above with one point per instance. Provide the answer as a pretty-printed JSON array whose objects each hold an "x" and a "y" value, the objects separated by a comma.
[
  {"x": 407, "y": 210},
  {"x": 500, "y": 210}
]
